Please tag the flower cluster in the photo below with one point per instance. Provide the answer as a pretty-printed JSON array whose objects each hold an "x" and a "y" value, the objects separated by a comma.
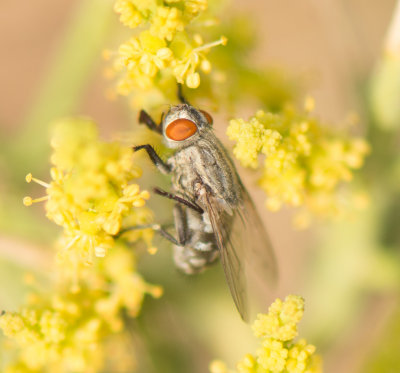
[
  {"x": 65, "y": 331},
  {"x": 91, "y": 196},
  {"x": 164, "y": 52},
  {"x": 91, "y": 193},
  {"x": 279, "y": 352},
  {"x": 305, "y": 162}
]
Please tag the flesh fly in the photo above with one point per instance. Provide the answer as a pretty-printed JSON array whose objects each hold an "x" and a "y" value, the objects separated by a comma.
[{"x": 214, "y": 215}]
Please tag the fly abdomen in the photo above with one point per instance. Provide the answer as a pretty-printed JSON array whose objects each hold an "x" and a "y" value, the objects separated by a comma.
[
  {"x": 192, "y": 261},
  {"x": 197, "y": 249}
]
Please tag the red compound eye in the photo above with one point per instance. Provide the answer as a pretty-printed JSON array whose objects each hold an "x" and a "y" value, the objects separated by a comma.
[
  {"x": 208, "y": 116},
  {"x": 180, "y": 129}
]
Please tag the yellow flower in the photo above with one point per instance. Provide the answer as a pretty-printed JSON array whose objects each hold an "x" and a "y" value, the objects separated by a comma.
[
  {"x": 247, "y": 365},
  {"x": 144, "y": 55},
  {"x": 91, "y": 193},
  {"x": 279, "y": 352},
  {"x": 305, "y": 162},
  {"x": 301, "y": 357},
  {"x": 129, "y": 14},
  {"x": 281, "y": 321},
  {"x": 195, "y": 6},
  {"x": 189, "y": 58},
  {"x": 272, "y": 356},
  {"x": 167, "y": 22},
  {"x": 53, "y": 327},
  {"x": 11, "y": 324},
  {"x": 65, "y": 331},
  {"x": 165, "y": 51},
  {"x": 251, "y": 140}
]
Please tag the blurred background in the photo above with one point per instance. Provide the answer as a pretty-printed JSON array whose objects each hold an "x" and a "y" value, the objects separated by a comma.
[{"x": 348, "y": 272}]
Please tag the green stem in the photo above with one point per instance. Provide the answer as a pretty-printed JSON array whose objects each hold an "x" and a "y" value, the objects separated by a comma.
[{"x": 79, "y": 53}]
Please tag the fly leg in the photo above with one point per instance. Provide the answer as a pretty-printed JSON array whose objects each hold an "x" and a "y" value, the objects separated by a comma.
[
  {"x": 193, "y": 249},
  {"x": 146, "y": 119},
  {"x": 179, "y": 218},
  {"x": 181, "y": 225},
  {"x": 180, "y": 221},
  {"x": 154, "y": 157},
  {"x": 156, "y": 227},
  {"x": 194, "y": 206}
]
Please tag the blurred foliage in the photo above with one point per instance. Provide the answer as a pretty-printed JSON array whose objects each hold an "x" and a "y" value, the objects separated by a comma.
[
  {"x": 238, "y": 80},
  {"x": 361, "y": 257},
  {"x": 64, "y": 85},
  {"x": 385, "y": 93},
  {"x": 385, "y": 357}
]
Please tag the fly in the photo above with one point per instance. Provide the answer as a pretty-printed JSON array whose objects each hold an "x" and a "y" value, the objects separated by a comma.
[{"x": 214, "y": 215}]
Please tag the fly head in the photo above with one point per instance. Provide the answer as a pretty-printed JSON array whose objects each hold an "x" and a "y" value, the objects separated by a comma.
[{"x": 183, "y": 125}]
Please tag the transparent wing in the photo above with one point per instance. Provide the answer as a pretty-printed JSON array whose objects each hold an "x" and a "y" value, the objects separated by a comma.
[
  {"x": 261, "y": 268},
  {"x": 231, "y": 255},
  {"x": 245, "y": 250}
]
